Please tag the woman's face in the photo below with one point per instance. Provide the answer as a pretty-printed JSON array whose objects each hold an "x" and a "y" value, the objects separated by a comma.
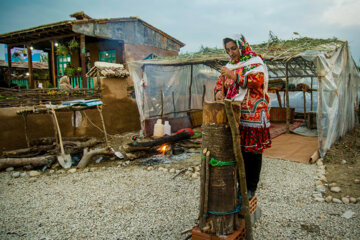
[{"x": 232, "y": 50}]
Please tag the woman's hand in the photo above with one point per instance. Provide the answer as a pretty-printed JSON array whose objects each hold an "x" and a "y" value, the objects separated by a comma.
[
  {"x": 219, "y": 96},
  {"x": 228, "y": 73}
]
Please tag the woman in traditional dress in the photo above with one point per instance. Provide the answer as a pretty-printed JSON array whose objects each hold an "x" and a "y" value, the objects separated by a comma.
[{"x": 245, "y": 79}]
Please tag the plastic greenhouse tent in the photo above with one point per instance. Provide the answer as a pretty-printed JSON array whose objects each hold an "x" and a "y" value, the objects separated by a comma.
[{"x": 174, "y": 86}]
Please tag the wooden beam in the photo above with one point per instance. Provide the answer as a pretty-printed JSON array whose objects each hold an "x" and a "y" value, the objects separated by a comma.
[
  {"x": 43, "y": 39},
  {"x": 82, "y": 61},
  {"x": 311, "y": 101},
  {"x": 53, "y": 70},
  {"x": 9, "y": 64},
  {"x": 31, "y": 78}
]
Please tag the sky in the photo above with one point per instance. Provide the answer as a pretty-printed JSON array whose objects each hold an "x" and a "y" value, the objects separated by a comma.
[{"x": 204, "y": 22}]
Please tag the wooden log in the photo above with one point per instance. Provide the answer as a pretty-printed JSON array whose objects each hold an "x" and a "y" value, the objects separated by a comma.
[
  {"x": 221, "y": 192},
  {"x": 159, "y": 141},
  {"x": 235, "y": 132},
  {"x": 20, "y": 162},
  {"x": 89, "y": 154},
  {"x": 278, "y": 98},
  {"x": 25, "y": 152}
]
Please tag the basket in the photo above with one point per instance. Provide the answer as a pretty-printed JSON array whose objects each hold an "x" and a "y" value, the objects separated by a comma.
[{"x": 196, "y": 117}]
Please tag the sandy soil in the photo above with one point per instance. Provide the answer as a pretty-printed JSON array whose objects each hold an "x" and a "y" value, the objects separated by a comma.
[{"x": 341, "y": 172}]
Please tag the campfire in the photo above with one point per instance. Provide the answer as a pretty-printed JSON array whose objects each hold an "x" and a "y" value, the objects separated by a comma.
[{"x": 165, "y": 149}]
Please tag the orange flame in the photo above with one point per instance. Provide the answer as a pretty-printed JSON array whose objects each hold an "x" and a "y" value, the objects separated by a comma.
[{"x": 163, "y": 149}]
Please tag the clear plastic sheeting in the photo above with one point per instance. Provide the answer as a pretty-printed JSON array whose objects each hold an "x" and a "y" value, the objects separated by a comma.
[
  {"x": 338, "y": 100},
  {"x": 171, "y": 91}
]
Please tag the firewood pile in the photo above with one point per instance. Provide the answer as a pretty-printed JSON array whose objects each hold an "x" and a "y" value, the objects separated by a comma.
[
  {"x": 30, "y": 97},
  {"x": 109, "y": 70},
  {"x": 43, "y": 152}
]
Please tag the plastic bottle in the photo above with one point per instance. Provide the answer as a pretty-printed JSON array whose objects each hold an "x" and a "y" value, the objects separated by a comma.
[
  {"x": 167, "y": 128},
  {"x": 158, "y": 128}
]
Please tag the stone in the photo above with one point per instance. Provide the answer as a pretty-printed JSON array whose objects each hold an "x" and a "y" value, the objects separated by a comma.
[
  {"x": 85, "y": 170},
  {"x": 15, "y": 174},
  {"x": 177, "y": 171},
  {"x": 32, "y": 179},
  {"x": 348, "y": 214},
  {"x": 343, "y": 161},
  {"x": 23, "y": 174},
  {"x": 317, "y": 195},
  {"x": 323, "y": 178},
  {"x": 51, "y": 171},
  {"x": 328, "y": 199},
  {"x": 9, "y": 169},
  {"x": 353, "y": 200},
  {"x": 332, "y": 184},
  {"x": 61, "y": 171},
  {"x": 336, "y": 200},
  {"x": 34, "y": 173},
  {"x": 191, "y": 169},
  {"x": 188, "y": 173},
  {"x": 321, "y": 188},
  {"x": 319, "y": 199},
  {"x": 318, "y": 182},
  {"x": 197, "y": 169},
  {"x": 335, "y": 189},
  {"x": 150, "y": 168},
  {"x": 72, "y": 170},
  {"x": 92, "y": 169},
  {"x": 160, "y": 168},
  {"x": 356, "y": 180},
  {"x": 195, "y": 175},
  {"x": 28, "y": 167},
  {"x": 345, "y": 200},
  {"x": 172, "y": 170},
  {"x": 165, "y": 170}
]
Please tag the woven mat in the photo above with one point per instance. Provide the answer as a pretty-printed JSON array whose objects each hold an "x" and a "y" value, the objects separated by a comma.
[{"x": 292, "y": 147}]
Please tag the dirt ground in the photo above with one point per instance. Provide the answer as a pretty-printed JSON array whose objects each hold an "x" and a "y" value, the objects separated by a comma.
[{"x": 342, "y": 163}]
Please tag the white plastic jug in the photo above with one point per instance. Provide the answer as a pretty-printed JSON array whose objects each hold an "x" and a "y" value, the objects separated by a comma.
[
  {"x": 167, "y": 128},
  {"x": 158, "y": 128}
]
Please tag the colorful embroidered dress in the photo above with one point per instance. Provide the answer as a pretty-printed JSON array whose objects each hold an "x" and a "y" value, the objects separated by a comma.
[{"x": 250, "y": 88}]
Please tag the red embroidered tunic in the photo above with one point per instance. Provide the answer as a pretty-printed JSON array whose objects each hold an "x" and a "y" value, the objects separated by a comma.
[{"x": 255, "y": 118}]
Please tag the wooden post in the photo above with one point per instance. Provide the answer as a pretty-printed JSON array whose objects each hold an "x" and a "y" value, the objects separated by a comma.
[
  {"x": 319, "y": 118},
  {"x": 82, "y": 61},
  {"x": 278, "y": 98},
  {"x": 221, "y": 193},
  {"x": 203, "y": 96},
  {"x": 9, "y": 64},
  {"x": 235, "y": 132},
  {"x": 311, "y": 95},
  {"x": 304, "y": 94},
  {"x": 53, "y": 69},
  {"x": 287, "y": 98},
  {"x": 191, "y": 80},
  {"x": 162, "y": 103},
  {"x": 173, "y": 102},
  {"x": 31, "y": 77}
]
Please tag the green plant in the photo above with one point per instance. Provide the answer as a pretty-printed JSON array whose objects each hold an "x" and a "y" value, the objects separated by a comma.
[
  {"x": 49, "y": 85},
  {"x": 79, "y": 69},
  {"x": 62, "y": 50},
  {"x": 73, "y": 44},
  {"x": 70, "y": 71}
]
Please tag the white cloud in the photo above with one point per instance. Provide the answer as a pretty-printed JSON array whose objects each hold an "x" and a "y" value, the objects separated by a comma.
[{"x": 343, "y": 12}]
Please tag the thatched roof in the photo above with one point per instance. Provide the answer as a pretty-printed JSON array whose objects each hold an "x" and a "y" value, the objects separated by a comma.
[
  {"x": 109, "y": 70},
  {"x": 275, "y": 50}
]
